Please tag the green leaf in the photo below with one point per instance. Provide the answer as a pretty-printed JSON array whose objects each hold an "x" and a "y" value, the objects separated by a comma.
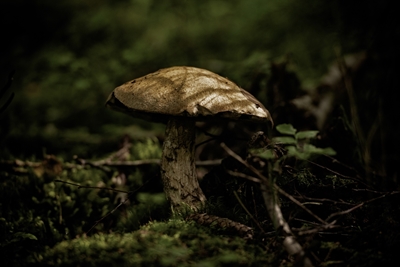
[
  {"x": 284, "y": 140},
  {"x": 292, "y": 151},
  {"x": 19, "y": 236},
  {"x": 286, "y": 129},
  {"x": 306, "y": 134},
  {"x": 328, "y": 151},
  {"x": 267, "y": 154},
  {"x": 316, "y": 150}
]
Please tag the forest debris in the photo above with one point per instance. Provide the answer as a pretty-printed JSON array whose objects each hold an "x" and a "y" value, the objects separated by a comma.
[
  {"x": 223, "y": 223},
  {"x": 269, "y": 189}
]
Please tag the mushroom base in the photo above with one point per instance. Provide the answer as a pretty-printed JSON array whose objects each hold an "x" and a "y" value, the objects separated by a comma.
[{"x": 178, "y": 170}]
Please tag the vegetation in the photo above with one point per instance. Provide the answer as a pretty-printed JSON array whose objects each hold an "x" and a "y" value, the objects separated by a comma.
[
  {"x": 170, "y": 243},
  {"x": 80, "y": 184}
]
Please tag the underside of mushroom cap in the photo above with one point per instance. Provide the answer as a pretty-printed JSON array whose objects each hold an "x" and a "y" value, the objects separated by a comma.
[{"x": 186, "y": 91}]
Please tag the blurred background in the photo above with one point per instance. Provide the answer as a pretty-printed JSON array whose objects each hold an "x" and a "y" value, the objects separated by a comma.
[{"x": 330, "y": 65}]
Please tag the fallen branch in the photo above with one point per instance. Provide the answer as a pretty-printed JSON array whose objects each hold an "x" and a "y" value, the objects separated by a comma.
[
  {"x": 144, "y": 162},
  {"x": 102, "y": 163},
  {"x": 223, "y": 223}
]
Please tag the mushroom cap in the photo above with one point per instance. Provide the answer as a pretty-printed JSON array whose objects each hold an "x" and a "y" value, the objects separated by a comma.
[{"x": 189, "y": 92}]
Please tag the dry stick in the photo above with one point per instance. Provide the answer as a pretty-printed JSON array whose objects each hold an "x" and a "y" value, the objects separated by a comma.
[
  {"x": 325, "y": 200},
  {"x": 280, "y": 190},
  {"x": 298, "y": 203},
  {"x": 204, "y": 142},
  {"x": 104, "y": 163},
  {"x": 306, "y": 221},
  {"x": 319, "y": 229},
  {"x": 334, "y": 160},
  {"x": 140, "y": 162},
  {"x": 3, "y": 91},
  {"x": 290, "y": 244},
  {"x": 106, "y": 188},
  {"x": 373, "y": 191},
  {"x": 119, "y": 205},
  {"x": 338, "y": 174},
  {"x": 92, "y": 187},
  {"x": 245, "y": 176},
  {"x": 20, "y": 163},
  {"x": 360, "y": 205},
  {"x": 121, "y": 163},
  {"x": 101, "y": 163},
  {"x": 248, "y": 212},
  {"x": 108, "y": 214}
]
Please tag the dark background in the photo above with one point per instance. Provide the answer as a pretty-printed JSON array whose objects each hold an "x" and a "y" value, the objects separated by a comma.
[{"x": 68, "y": 56}]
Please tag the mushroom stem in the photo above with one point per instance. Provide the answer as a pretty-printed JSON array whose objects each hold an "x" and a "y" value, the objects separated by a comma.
[{"x": 178, "y": 170}]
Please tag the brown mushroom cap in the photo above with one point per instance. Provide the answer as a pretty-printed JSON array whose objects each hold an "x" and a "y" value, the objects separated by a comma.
[{"x": 186, "y": 91}]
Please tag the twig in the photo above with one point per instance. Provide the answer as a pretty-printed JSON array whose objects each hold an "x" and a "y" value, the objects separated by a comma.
[
  {"x": 212, "y": 162},
  {"x": 295, "y": 201},
  {"x": 102, "y": 188},
  {"x": 373, "y": 191},
  {"x": 135, "y": 163},
  {"x": 265, "y": 180},
  {"x": 93, "y": 187},
  {"x": 20, "y": 163},
  {"x": 334, "y": 160},
  {"x": 305, "y": 221},
  {"x": 338, "y": 174},
  {"x": 109, "y": 213},
  {"x": 290, "y": 243},
  {"x": 359, "y": 205},
  {"x": 119, "y": 205},
  {"x": 204, "y": 142},
  {"x": 245, "y": 176},
  {"x": 319, "y": 229},
  {"x": 3, "y": 91},
  {"x": 108, "y": 163},
  {"x": 7, "y": 103},
  {"x": 323, "y": 200},
  {"x": 104, "y": 163},
  {"x": 129, "y": 193},
  {"x": 248, "y": 212}
]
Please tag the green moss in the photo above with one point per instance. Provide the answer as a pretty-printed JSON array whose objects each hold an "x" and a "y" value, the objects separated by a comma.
[
  {"x": 172, "y": 243},
  {"x": 149, "y": 148},
  {"x": 37, "y": 211}
]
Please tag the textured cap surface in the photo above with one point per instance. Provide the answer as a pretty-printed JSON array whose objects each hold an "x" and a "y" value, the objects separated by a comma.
[{"x": 186, "y": 91}]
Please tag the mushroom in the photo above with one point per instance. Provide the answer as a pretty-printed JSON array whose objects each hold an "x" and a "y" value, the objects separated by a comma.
[{"x": 180, "y": 96}]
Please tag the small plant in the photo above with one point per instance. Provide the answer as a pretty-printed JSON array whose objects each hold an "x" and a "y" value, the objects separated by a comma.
[{"x": 296, "y": 144}]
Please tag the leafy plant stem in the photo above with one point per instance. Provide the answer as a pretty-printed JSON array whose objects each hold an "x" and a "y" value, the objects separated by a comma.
[{"x": 290, "y": 243}]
